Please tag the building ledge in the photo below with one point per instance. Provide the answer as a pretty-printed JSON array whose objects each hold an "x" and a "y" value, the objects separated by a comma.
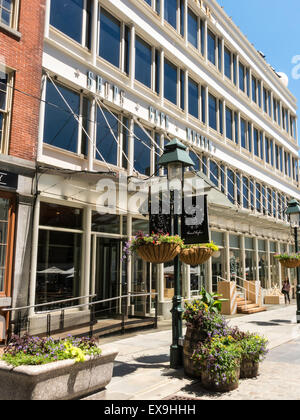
[
  {"x": 17, "y": 165},
  {"x": 10, "y": 31}
]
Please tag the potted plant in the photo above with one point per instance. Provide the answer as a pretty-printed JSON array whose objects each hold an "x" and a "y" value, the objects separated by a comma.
[
  {"x": 203, "y": 322},
  {"x": 34, "y": 368},
  {"x": 197, "y": 254},
  {"x": 157, "y": 248},
  {"x": 253, "y": 350},
  {"x": 218, "y": 360},
  {"x": 289, "y": 260}
]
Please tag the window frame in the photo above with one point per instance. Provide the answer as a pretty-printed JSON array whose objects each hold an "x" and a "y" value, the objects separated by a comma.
[
  {"x": 7, "y": 111},
  {"x": 7, "y": 282},
  {"x": 14, "y": 18}
]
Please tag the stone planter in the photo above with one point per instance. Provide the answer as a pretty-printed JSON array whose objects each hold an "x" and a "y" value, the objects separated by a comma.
[
  {"x": 248, "y": 369},
  {"x": 62, "y": 380}
]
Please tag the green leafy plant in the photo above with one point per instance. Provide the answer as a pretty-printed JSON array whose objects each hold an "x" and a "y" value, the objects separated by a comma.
[
  {"x": 29, "y": 350},
  {"x": 211, "y": 245},
  {"x": 220, "y": 358},
  {"x": 253, "y": 346},
  {"x": 288, "y": 256},
  {"x": 212, "y": 300}
]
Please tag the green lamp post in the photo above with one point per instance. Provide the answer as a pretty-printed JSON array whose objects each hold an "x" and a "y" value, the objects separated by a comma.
[
  {"x": 175, "y": 158},
  {"x": 293, "y": 211}
]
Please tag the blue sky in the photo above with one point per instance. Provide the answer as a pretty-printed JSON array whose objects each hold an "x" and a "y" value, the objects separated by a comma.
[{"x": 273, "y": 27}]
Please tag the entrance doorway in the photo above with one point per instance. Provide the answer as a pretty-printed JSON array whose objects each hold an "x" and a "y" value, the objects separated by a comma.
[
  {"x": 109, "y": 280},
  {"x": 217, "y": 268}
]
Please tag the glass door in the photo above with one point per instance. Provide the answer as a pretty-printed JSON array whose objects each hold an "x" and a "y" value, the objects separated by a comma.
[
  {"x": 109, "y": 281},
  {"x": 7, "y": 215},
  {"x": 217, "y": 267}
]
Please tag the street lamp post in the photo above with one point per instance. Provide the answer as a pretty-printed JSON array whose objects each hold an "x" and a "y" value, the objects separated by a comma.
[
  {"x": 176, "y": 158},
  {"x": 293, "y": 211}
]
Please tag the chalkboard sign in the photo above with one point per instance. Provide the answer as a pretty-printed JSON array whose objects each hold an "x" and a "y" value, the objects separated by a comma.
[{"x": 195, "y": 230}]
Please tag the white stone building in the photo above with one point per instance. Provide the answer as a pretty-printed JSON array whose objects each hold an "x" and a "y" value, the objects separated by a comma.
[{"x": 119, "y": 72}]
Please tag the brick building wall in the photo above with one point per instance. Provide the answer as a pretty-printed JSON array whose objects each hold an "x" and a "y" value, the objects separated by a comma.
[{"x": 23, "y": 53}]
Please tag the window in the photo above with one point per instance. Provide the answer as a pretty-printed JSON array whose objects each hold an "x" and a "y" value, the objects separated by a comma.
[
  {"x": 221, "y": 116},
  {"x": 214, "y": 172},
  {"x": 106, "y": 141},
  {"x": 242, "y": 77},
  {"x": 248, "y": 82},
  {"x": 6, "y": 81},
  {"x": 110, "y": 38},
  {"x": 254, "y": 91},
  {"x": 229, "y": 133},
  {"x": 7, "y": 210},
  {"x": 255, "y": 142},
  {"x": 227, "y": 63},
  {"x": 143, "y": 62},
  {"x": 261, "y": 141},
  {"x": 142, "y": 150},
  {"x": 265, "y": 100},
  {"x": 211, "y": 47},
  {"x": 230, "y": 185},
  {"x": 212, "y": 111},
  {"x": 272, "y": 152},
  {"x": 258, "y": 197},
  {"x": 236, "y": 126},
  {"x": 192, "y": 28},
  {"x": 249, "y": 137},
  {"x": 61, "y": 249},
  {"x": 171, "y": 12},
  {"x": 245, "y": 192},
  {"x": 182, "y": 88},
  {"x": 156, "y": 5},
  {"x": 60, "y": 127},
  {"x": 243, "y": 134},
  {"x": 193, "y": 98},
  {"x": 170, "y": 85},
  {"x": 203, "y": 104},
  {"x": 68, "y": 16}
]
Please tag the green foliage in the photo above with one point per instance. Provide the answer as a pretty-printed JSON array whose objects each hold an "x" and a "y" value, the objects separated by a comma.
[
  {"x": 37, "y": 351},
  {"x": 287, "y": 256},
  {"x": 212, "y": 300},
  {"x": 211, "y": 245}
]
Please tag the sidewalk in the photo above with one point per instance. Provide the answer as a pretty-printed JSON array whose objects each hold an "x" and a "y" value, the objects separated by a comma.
[{"x": 142, "y": 369}]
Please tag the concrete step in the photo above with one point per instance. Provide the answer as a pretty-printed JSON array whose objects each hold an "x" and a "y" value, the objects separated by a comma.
[{"x": 244, "y": 302}]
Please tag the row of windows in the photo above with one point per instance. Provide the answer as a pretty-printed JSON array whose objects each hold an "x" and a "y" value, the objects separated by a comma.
[
  {"x": 112, "y": 137},
  {"x": 234, "y": 70},
  {"x": 244, "y": 191},
  {"x": 114, "y": 47}
]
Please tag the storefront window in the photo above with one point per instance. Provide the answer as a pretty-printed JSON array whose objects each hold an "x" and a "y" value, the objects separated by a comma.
[
  {"x": 274, "y": 265},
  {"x": 4, "y": 219},
  {"x": 59, "y": 254},
  {"x": 235, "y": 257},
  {"x": 262, "y": 264},
  {"x": 250, "y": 259},
  {"x": 218, "y": 259},
  {"x": 105, "y": 223}
]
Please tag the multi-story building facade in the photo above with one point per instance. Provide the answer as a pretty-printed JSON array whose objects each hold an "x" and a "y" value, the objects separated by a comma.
[
  {"x": 21, "y": 40},
  {"x": 122, "y": 78}
]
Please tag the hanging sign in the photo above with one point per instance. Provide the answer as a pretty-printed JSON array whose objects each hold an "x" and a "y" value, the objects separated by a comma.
[
  {"x": 194, "y": 222},
  {"x": 8, "y": 180}
]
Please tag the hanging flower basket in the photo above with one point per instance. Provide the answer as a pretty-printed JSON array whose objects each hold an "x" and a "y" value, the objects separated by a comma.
[
  {"x": 158, "y": 253},
  {"x": 197, "y": 254},
  {"x": 289, "y": 261},
  {"x": 157, "y": 248}
]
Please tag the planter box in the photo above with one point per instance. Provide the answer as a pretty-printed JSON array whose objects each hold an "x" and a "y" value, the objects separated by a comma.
[
  {"x": 62, "y": 380},
  {"x": 274, "y": 300}
]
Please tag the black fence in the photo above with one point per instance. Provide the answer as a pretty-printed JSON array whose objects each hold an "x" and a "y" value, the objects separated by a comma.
[{"x": 90, "y": 317}]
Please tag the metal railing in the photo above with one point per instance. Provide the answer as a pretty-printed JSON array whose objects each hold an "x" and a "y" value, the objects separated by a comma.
[{"x": 84, "y": 316}]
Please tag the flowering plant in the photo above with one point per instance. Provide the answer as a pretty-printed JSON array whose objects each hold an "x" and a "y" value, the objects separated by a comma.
[
  {"x": 220, "y": 358},
  {"x": 253, "y": 346},
  {"x": 142, "y": 239},
  {"x": 29, "y": 350},
  {"x": 209, "y": 324},
  {"x": 211, "y": 245},
  {"x": 288, "y": 256}
]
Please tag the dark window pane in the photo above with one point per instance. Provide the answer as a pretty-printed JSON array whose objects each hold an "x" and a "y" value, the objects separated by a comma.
[
  {"x": 105, "y": 141},
  {"x": 230, "y": 185},
  {"x": 227, "y": 63},
  {"x": 255, "y": 140},
  {"x": 85, "y": 124},
  {"x": 60, "y": 127},
  {"x": 192, "y": 28},
  {"x": 211, "y": 47},
  {"x": 66, "y": 15},
  {"x": 142, "y": 153},
  {"x": 221, "y": 116},
  {"x": 229, "y": 124},
  {"x": 170, "y": 85},
  {"x": 243, "y": 134},
  {"x": 143, "y": 61},
  {"x": 3, "y": 89},
  {"x": 214, "y": 173},
  {"x": 127, "y": 49},
  {"x": 107, "y": 223},
  {"x": 193, "y": 98},
  {"x": 157, "y": 71},
  {"x": 58, "y": 267},
  {"x": 182, "y": 87},
  {"x": 212, "y": 112},
  {"x": 171, "y": 12},
  {"x": 110, "y": 33},
  {"x": 60, "y": 216},
  {"x": 203, "y": 104},
  {"x": 245, "y": 193}
]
